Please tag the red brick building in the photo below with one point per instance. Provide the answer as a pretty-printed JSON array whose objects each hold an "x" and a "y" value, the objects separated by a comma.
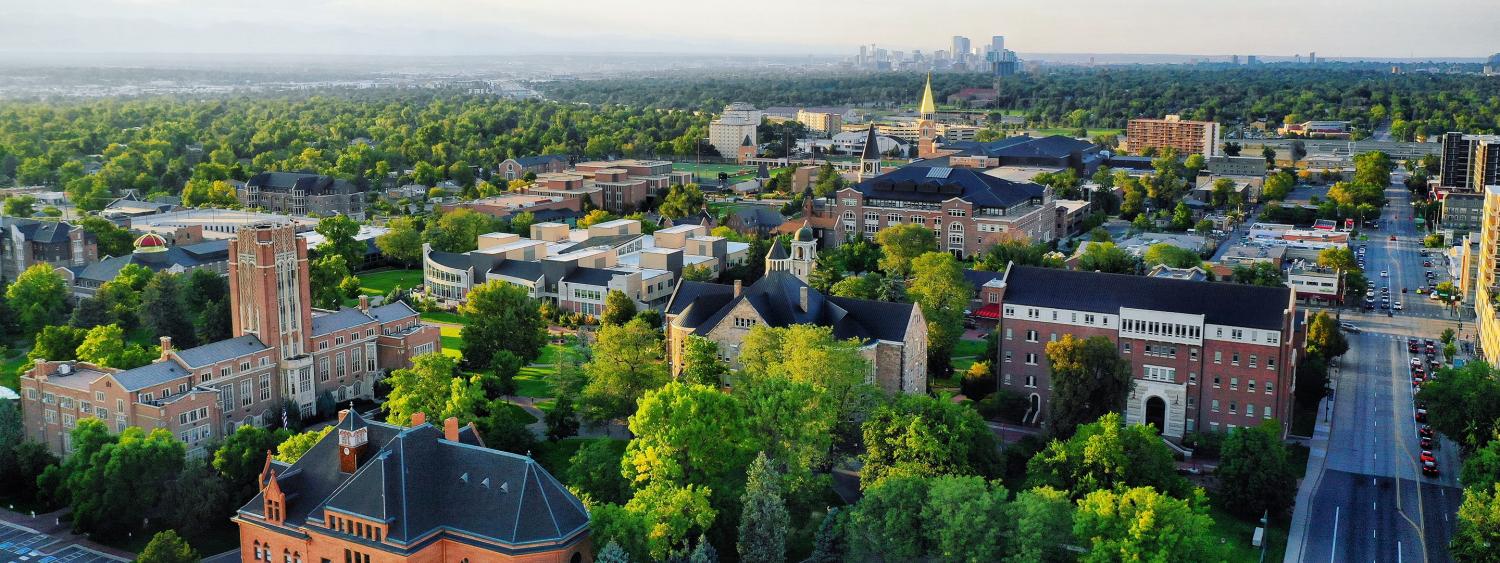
[
  {"x": 1205, "y": 356},
  {"x": 371, "y": 492},
  {"x": 282, "y": 349}
]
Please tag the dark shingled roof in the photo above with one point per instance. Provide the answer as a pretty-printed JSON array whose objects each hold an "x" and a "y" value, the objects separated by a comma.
[
  {"x": 150, "y": 375},
  {"x": 529, "y": 161},
  {"x": 312, "y": 184},
  {"x": 591, "y": 276},
  {"x": 392, "y": 312},
  {"x": 1220, "y": 303},
  {"x": 42, "y": 231},
  {"x": 422, "y": 484},
  {"x": 978, "y": 278},
  {"x": 776, "y": 297},
  {"x": 186, "y": 257},
  {"x": 778, "y": 252},
  {"x": 451, "y": 259},
  {"x": 758, "y": 216},
  {"x": 935, "y": 185},
  {"x": 1052, "y": 146},
  {"x": 215, "y": 352}
]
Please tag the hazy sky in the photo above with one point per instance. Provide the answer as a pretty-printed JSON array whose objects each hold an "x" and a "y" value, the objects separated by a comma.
[{"x": 1332, "y": 28}]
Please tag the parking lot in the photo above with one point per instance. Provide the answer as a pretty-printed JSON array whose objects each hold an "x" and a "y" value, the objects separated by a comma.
[{"x": 21, "y": 544}]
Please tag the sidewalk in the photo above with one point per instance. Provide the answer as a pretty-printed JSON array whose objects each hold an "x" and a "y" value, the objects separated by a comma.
[
  {"x": 1317, "y": 456},
  {"x": 51, "y": 525}
]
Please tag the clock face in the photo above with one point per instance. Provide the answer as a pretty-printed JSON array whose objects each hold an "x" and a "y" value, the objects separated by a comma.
[{"x": 346, "y": 451}]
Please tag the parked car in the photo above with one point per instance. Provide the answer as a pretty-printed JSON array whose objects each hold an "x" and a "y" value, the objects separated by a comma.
[
  {"x": 1411, "y": 346},
  {"x": 1421, "y": 415},
  {"x": 1426, "y": 443},
  {"x": 1425, "y": 431},
  {"x": 1349, "y": 327},
  {"x": 1430, "y": 470},
  {"x": 1427, "y": 456}
]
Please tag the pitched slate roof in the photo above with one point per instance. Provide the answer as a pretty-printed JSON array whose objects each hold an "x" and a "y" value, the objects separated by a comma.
[
  {"x": 778, "y": 252},
  {"x": 215, "y": 352},
  {"x": 392, "y": 312},
  {"x": 312, "y": 184},
  {"x": 518, "y": 269},
  {"x": 1221, "y": 303},
  {"x": 872, "y": 146},
  {"x": 150, "y": 375},
  {"x": 776, "y": 297},
  {"x": 537, "y": 160},
  {"x": 344, "y": 318},
  {"x": 41, "y": 231},
  {"x": 934, "y": 185},
  {"x": 185, "y": 257},
  {"x": 422, "y": 484},
  {"x": 757, "y": 216},
  {"x": 978, "y": 278}
]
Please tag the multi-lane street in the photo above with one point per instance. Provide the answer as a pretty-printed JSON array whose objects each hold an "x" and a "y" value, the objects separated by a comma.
[{"x": 1371, "y": 502}]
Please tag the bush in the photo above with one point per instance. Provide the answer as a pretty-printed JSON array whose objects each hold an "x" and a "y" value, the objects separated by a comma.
[
  {"x": 1003, "y": 405},
  {"x": 978, "y": 382},
  {"x": 1204, "y": 444}
]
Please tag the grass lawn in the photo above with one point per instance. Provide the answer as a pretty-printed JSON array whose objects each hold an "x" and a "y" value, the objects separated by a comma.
[
  {"x": 10, "y": 370},
  {"x": 1237, "y": 534},
  {"x": 1068, "y": 131},
  {"x": 532, "y": 382},
  {"x": 381, "y": 282},
  {"x": 965, "y": 354},
  {"x": 445, "y": 317},
  {"x": 555, "y": 455},
  {"x": 545, "y": 405},
  {"x": 518, "y": 413},
  {"x": 453, "y": 344}
]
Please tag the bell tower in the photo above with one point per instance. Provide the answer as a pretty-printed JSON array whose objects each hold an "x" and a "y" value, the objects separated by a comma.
[
  {"x": 804, "y": 252},
  {"x": 354, "y": 435},
  {"x": 926, "y": 123},
  {"x": 869, "y": 158}
]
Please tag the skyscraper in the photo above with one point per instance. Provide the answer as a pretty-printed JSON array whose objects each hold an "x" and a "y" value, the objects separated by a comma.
[
  {"x": 961, "y": 49},
  {"x": 997, "y": 44}
]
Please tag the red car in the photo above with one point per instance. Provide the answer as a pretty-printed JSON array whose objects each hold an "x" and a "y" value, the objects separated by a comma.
[
  {"x": 1430, "y": 470},
  {"x": 1393, "y": 237},
  {"x": 1426, "y": 443},
  {"x": 1425, "y": 431},
  {"x": 1421, "y": 415},
  {"x": 1427, "y": 457},
  {"x": 1411, "y": 345}
]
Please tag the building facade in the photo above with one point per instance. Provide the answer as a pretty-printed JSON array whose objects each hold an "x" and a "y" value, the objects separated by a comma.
[
  {"x": 968, "y": 210},
  {"x": 1204, "y": 356},
  {"x": 738, "y": 122},
  {"x": 1486, "y": 282},
  {"x": 1173, "y": 132},
  {"x": 1469, "y": 162},
  {"x": 27, "y": 242},
  {"x": 894, "y": 335},
  {"x": 303, "y": 194},
  {"x": 282, "y": 350},
  {"x": 516, "y": 168},
  {"x": 372, "y": 492}
]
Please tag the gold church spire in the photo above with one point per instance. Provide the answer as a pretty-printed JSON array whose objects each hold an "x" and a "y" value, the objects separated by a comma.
[{"x": 927, "y": 108}]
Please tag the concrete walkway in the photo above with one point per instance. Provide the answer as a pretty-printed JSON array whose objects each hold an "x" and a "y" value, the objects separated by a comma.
[{"x": 1316, "y": 458}]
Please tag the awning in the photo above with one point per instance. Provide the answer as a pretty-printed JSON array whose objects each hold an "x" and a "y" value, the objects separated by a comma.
[{"x": 991, "y": 311}]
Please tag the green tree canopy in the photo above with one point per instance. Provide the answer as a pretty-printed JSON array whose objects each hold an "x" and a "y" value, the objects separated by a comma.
[
  {"x": 1105, "y": 455},
  {"x": 502, "y": 316},
  {"x": 922, "y": 436},
  {"x": 38, "y": 297},
  {"x": 1109, "y": 522},
  {"x": 1089, "y": 379},
  {"x": 627, "y": 362},
  {"x": 901, "y": 244}
]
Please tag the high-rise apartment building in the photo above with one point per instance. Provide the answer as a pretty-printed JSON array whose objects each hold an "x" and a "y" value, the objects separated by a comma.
[
  {"x": 1469, "y": 162},
  {"x": 1487, "y": 278},
  {"x": 1186, "y": 136},
  {"x": 729, "y": 131}
]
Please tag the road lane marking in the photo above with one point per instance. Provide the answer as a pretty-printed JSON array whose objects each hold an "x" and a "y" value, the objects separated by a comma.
[{"x": 1335, "y": 549}]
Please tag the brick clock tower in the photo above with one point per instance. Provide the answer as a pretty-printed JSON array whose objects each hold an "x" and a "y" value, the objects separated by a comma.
[
  {"x": 270, "y": 299},
  {"x": 927, "y": 124}
]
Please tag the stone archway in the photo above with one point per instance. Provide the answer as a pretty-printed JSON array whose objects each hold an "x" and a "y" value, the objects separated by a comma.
[{"x": 1156, "y": 413}]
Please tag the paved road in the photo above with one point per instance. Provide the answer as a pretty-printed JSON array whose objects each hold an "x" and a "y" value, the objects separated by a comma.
[{"x": 1371, "y": 502}]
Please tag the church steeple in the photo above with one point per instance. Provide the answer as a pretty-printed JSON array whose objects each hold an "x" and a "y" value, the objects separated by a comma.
[
  {"x": 928, "y": 107},
  {"x": 869, "y": 158}
]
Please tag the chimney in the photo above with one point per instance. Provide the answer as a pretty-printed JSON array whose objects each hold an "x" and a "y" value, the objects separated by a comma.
[
  {"x": 802, "y": 297},
  {"x": 418, "y": 419},
  {"x": 736, "y": 288},
  {"x": 166, "y": 347},
  {"x": 364, "y": 303},
  {"x": 450, "y": 429}
]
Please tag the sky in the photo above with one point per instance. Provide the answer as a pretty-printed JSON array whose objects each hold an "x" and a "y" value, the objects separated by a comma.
[{"x": 1332, "y": 28}]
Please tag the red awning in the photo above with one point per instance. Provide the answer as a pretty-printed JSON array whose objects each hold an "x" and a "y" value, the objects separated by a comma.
[{"x": 991, "y": 311}]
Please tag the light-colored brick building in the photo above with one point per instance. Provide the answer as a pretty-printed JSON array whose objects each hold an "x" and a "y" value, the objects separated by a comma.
[
  {"x": 1205, "y": 356},
  {"x": 1186, "y": 136},
  {"x": 282, "y": 350}
]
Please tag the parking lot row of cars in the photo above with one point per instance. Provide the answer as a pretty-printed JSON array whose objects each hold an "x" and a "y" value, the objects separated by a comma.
[{"x": 1424, "y": 365}]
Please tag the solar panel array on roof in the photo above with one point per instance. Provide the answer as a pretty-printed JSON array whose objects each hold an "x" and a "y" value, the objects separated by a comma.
[{"x": 939, "y": 172}]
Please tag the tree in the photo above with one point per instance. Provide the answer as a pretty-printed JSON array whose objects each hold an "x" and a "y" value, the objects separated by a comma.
[
  {"x": 1106, "y": 257},
  {"x": 1478, "y": 525},
  {"x": 701, "y": 363},
  {"x": 594, "y": 217},
  {"x": 459, "y": 230},
  {"x": 105, "y": 345},
  {"x": 858, "y": 287},
  {"x": 200, "y": 192},
  {"x": 1461, "y": 403},
  {"x": 58, "y": 343},
  {"x": 1106, "y": 454},
  {"x": 1173, "y": 256},
  {"x": 658, "y": 520},
  {"x": 324, "y": 277},
  {"x": 403, "y": 242},
  {"x": 121, "y": 296},
  {"x": 1110, "y": 521},
  {"x": 208, "y": 300},
  {"x": 764, "y": 522},
  {"x": 502, "y": 316},
  {"x": 504, "y": 366},
  {"x": 627, "y": 362},
  {"x": 939, "y": 287},
  {"x": 164, "y": 310},
  {"x": 1089, "y": 379},
  {"x": 1194, "y": 163},
  {"x": 123, "y": 479},
  {"x": 917, "y": 435},
  {"x": 612, "y": 553},
  {"x": 619, "y": 308},
  {"x": 943, "y": 518},
  {"x": 199, "y": 499},
  {"x": 1269, "y": 154},
  {"x": 20, "y": 206},
  {"x": 828, "y": 543},
  {"x": 502, "y": 427},
  {"x": 1277, "y": 186},
  {"x": 682, "y": 200},
  {"x": 1182, "y": 216},
  {"x": 695, "y": 273},
  {"x": 1232, "y": 148},
  {"x": 1261, "y": 273},
  {"x": 338, "y": 233},
  {"x": 1373, "y": 169},
  {"x": 291, "y": 449},
  {"x": 243, "y": 455},
  {"x": 595, "y": 470},
  {"x": 1339, "y": 258},
  {"x": 704, "y": 552},
  {"x": 562, "y": 420},
  {"x": 688, "y": 435},
  {"x": 38, "y": 297},
  {"x": 1255, "y": 472},
  {"x": 1043, "y": 522},
  {"x": 901, "y": 244},
  {"x": 424, "y": 387},
  {"x": 1324, "y": 336},
  {"x": 521, "y": 223},
  {"x": 167, "y": 547},
  {"x": 1018, "y": 252}
]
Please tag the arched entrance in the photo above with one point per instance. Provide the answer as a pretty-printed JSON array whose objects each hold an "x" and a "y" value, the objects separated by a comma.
[
  {"x": 1034, "y": 408},
  {"x": 1156, "y": 413}
]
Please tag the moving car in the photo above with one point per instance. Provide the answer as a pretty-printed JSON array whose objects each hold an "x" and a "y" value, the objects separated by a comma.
[
  {"x": 1385, "y": 274},
  {"x": 1427, "y": 263},
  {"x": 1393, "y": 237},
  {"x": 1349, "y": 327},
  {"x": 1397, "y": 306}
]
